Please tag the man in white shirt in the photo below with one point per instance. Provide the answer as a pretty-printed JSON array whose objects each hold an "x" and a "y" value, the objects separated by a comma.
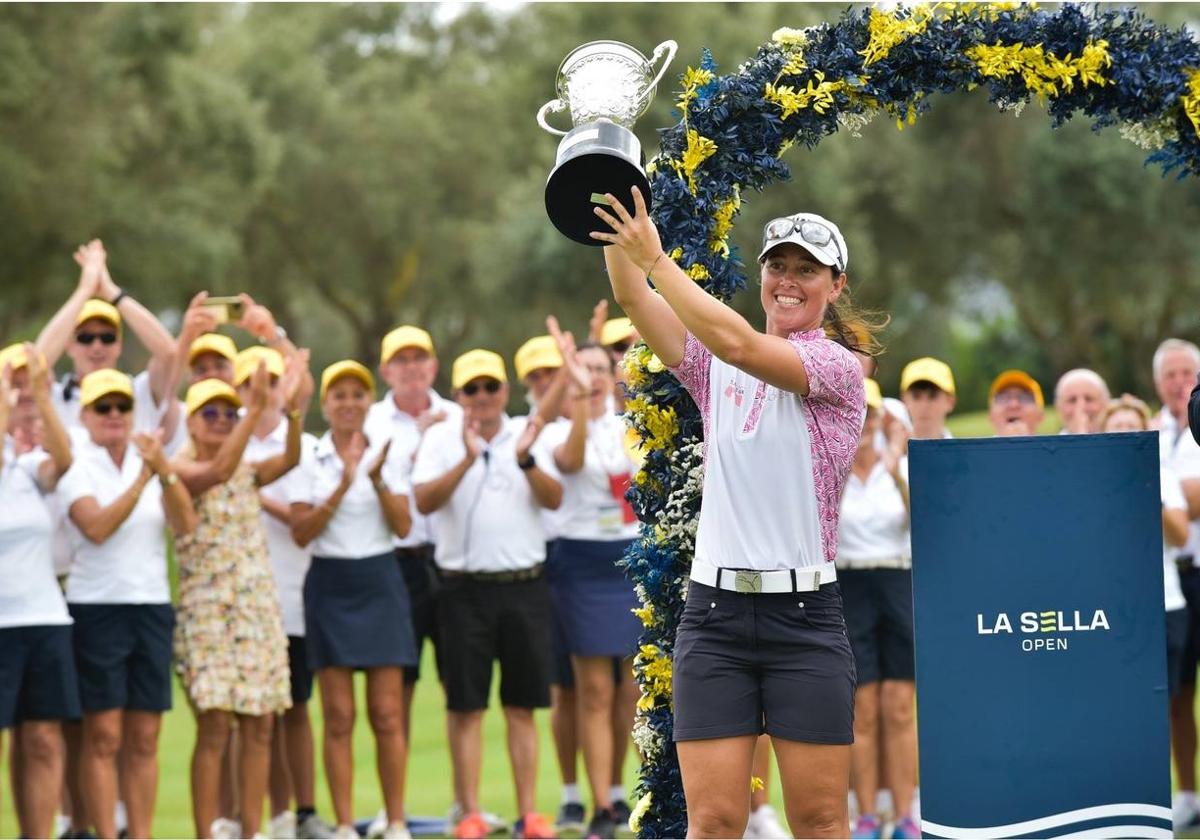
[
  {"x": 485, "y": 481},
  {"x": 1176, "y": 364}
]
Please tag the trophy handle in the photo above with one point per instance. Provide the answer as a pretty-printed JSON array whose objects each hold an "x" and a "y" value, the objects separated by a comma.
[
  {"x": 668, "y": 47},
  {"x": 551, "y": 107}
]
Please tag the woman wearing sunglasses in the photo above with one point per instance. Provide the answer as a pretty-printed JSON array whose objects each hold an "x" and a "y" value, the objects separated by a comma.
[
  {"x": 761, "y": 646},
  {"x": 230, "y": 648},
  {"x": 592, "y": 596},
  {"x": 121, "y": 494},
  {"x": 348, "y": 499}
]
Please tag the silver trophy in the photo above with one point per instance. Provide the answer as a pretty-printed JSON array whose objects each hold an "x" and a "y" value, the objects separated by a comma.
[{"x": 606, "y": 85}]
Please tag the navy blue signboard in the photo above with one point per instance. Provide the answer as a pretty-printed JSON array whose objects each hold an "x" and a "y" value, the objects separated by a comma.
[{"x": 1040, "y": 634}]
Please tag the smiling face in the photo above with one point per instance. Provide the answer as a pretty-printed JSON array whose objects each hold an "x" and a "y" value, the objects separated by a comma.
[
  {"x": 88, "y": 349},
  {"x": 796, "y": 287},
  {"x": 1014, "y": 411},
  {"x": 346, "y": 403},
  {"x": 600, "y": 365},
  {"x": 483, "y": 400},
  {"x": 109, "y": 420},
  {"x": 410, "y": 372},
  {"x": 1175, "y": 379},
  {"x": 1125, "y": 420}
]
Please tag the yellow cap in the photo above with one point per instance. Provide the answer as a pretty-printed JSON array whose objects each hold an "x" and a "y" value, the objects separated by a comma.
[
  {"x": 927, "y": 370},
  {"x": 102, "y": 382},
  {"x": 476, "y": 363},
  {"x": 14, "y": 357},
  {"x": 102, "y": 309},
  {"x": 222, "y": 345},
  {"x": 207, "y": 390},
  {"x": 874, "y": 395},
  {"x": 346, "y": 367},
  {"x": 402, "y": 337},
  {"x": 247, "y": 362},
  {"x": 1019, "y": 379},
  {"x": 616, "y": 329},
  {"x": 538, "y": 352}
]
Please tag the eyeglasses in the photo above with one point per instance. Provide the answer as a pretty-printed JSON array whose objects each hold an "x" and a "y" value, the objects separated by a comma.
[
  {"x": 107, "y": 408},
  {"x": 212, "y": 414},
  {"x": 472, "y": 388},
  {"x": 1019, "y": 395},
  {"x": 87, "y": 338},
  {"x": 812, "y": 232}
]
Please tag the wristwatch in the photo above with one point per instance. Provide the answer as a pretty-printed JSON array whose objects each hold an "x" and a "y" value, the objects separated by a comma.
[{"x": 527, "y": 464}]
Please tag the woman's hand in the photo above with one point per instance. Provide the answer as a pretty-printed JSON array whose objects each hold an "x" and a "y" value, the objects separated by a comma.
[
  {"x": 635, "y": 235},
  {"x": 293, "y": 380},
  {"x": 39, "y": 373},
  {"x": 260, "y": 388},
  {"x": 375, "y": 472},
  {"x": 352, "y": 457},
  {"x": 150, "y": 448},
  {"x": 580, "y": 375}
]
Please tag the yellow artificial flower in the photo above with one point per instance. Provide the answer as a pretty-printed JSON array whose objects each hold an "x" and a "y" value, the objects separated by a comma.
[
  {"x": 1191, "y": 99},
  {"x": 888, "y": 29},
  {"x": 697, "y": 272},
  {"x": 655, "y": 671},
  {"x": 661, "y": 424},
  {"x": 645, "y": 613},
  {"x": 789, "y": 37},
  {"x": 1045, "y": 74},
  {"x": 757, "y": 784},
  {"x": 718, "y": 240},
  {"x": 699, "y": 149},
  {"x": 693, "y": 80},
  {"x": 655, "y": 365},
  {"x": 819, "y": 95},
  {"x": 639, "y": 812}
]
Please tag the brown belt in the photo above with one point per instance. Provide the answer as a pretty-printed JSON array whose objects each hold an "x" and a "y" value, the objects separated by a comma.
[{"x": 517, "y": 576}]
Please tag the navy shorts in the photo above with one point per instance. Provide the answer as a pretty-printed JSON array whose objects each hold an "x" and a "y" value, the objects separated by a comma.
[
  {"x": 357, "y": 614},
  {"x": 37, "y": 675},
  {"x": 1177, "y": 631},
  {"x": 879, "y": 619},
  {"x": 746, "y": 664},
  {"x": 301, "y": 674},
  {"x": 123, "y": 655},
  {"x": 420, "y": 576}
]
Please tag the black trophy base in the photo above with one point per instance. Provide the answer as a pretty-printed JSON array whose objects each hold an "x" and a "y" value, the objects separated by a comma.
[{"x": 575, "y": 187}]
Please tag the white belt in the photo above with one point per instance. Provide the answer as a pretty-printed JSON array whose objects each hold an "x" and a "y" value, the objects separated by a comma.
[
  {"x": 808, "y": 579},
  {"x": 898, "y": 561}
]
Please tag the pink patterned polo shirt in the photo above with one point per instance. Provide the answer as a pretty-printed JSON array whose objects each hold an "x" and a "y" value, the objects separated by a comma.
[{"x": 776, "y": 461}]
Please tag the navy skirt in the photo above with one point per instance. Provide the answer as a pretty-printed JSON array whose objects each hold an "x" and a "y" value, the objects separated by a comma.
[
  {"x": 357, "y": 614},
  {"x": 593, "y": 598}
]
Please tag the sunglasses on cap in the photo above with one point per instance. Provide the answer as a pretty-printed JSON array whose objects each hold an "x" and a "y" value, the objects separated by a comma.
[
  {"x": 87, "y": 338},
  {"x": 812, "y": 232},
  {"x": 212, "y": 413},
  {"x": 472, "y": 388},
  {"x": 107, "y": 407}
]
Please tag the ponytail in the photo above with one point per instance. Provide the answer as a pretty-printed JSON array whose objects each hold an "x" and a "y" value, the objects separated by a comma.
[{"x": 854, "y": 328}]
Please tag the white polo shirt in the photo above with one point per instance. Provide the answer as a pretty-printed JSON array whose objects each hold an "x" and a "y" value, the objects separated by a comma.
[
  {"x": 289, "y": 562},
  {"x": 385, "y": 419},
  {"x": 1178, "y": 451},
  {"x": 491, "y": 522},
  {"x": 775, "y": 461},
  {"x": 1172, "y": 499},
  {"x": 29, "y": 593},
  {"x": 873, "y": 530},
  {"x": 130, "y": 567},
  {"x": 358, "y": 528},
  {"x": 591, "y": 508}
]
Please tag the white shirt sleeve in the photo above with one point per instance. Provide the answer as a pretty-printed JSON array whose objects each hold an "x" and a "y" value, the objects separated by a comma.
[
  {"x": 1171, "y": 490},
  {"x": 75, "y": 485},
  {"x": 431, "y": 455},
  {"x": 147, "y": 415},
  {"x": 397, "y": 470},
  {"x": 299, "y": 486}
]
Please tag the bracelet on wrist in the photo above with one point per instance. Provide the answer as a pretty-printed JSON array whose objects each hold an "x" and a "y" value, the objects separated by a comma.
[
  {"x": 650, "y": 270},
  {"x": 121, "y": 295}
]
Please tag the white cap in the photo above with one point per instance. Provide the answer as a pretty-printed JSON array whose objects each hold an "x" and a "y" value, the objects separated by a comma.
[{"x": 830, "y": 245}]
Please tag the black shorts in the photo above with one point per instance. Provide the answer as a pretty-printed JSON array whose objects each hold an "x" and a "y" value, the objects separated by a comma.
[
  {"x": 123, "y": 655},
  {"x": 1177, "y": 631},
  {"x": 879, "y": 620},
  {"x": 483, "y": 622},
  {"x": 37, "y": 675},
  {"x": 747, "y": 664},
  {"x": 420, "y": 576},
  {"x": 1189, "y": 582},
  {"x": 301, "y": 674}
]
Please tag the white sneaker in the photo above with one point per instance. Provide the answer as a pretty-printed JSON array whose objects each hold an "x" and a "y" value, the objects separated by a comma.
[
  {"x": 1184, "y": 813},
  {"x": 282, "y": 826},
  {"x": 225, "y": 829},
  {"x": 396, "y": 831},
  {"x": 313, "y": 827},
  {"x": 764, "y": 825},
  {"x": 121, "y": 818},
  {"x": 345, "y": 832},
  {"x": 377, "y": 825}
]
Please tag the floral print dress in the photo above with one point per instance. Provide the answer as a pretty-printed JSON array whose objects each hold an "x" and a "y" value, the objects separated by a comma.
[{"x": 230, "y": 648}]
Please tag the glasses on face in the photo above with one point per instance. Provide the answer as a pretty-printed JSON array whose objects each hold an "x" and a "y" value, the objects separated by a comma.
[
  {"x": 812, "y": 232},
  {"x": 107, "y": 407},
  {"x": 1015, "y": 395},
  {"x": 212, "y": 413},
  {"x": 472, "y": 388},
  {"x": 86, "y": 338}
]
